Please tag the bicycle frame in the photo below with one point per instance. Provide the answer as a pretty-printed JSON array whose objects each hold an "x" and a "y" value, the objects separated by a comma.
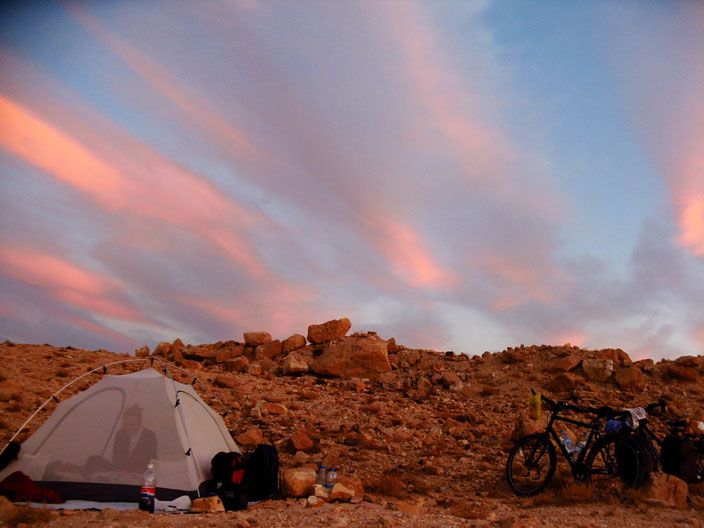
[{"x": 577, "y": 464}]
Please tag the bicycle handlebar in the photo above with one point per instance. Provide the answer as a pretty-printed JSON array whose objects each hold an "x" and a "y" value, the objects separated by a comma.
[{"x": 603, "y": 412}]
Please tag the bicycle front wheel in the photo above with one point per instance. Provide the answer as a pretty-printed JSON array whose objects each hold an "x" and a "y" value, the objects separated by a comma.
[
  {"x": 613, "y": 459},
  {"x": 531, "y": 464}
]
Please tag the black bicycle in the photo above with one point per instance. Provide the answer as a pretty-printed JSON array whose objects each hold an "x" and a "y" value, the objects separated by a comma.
[{"x": 596, "y": 458}]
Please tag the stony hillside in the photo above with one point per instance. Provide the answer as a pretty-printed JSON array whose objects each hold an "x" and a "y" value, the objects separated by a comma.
[{"x": 420, "y": 436}]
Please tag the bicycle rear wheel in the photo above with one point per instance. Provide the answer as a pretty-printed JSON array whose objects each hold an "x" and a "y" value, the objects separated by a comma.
[
  {"x": 531, "y": 464},
  {"x": 612, "y": 459}
]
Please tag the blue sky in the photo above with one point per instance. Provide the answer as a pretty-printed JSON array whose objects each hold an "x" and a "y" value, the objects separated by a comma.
[{"x": 458, "y": 175}]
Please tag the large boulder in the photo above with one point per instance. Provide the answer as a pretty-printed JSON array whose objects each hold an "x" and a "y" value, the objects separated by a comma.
[
  {"x": 268, "y": 350},
  {"x": 256, "y": 338},
  {"x": 598, "y": 369},
  {"x": 162, "y": 349},
  {"x": 353, "y": 357},
  {"x": 294, "y": 342},
  {"x": 562, "y": 383},
  {"x": 328, "y": 331},
  {"x": 294, "y": 364},
  {"x": 567, "y": 363},
  {"x": 618, "y": 356},
  {"x": 298, "y": 482},
  {"x": 630, "y": 378},
  {"x": 142, "y": 352}
]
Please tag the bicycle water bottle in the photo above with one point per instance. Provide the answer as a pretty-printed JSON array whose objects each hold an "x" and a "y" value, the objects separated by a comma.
[
  {"x": 581, "y": 444},
  {"x": 567, "y": 442},
  {"x": 322, "y": 475},
  {"x": 146, "y": 501},
  {"x": 331, "y": 478}
]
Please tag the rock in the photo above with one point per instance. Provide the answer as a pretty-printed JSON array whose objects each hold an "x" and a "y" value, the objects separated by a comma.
[
  {"x": 237, "y": 364},
  {"x": 646, "y": 365},
  {"x": 268, "y": 350},
  {"x": 352, "y": 483},
  {"x": 353, "y": 357},
  {"x": 321, "y": 492},
  {"x": 314, "y": 502},
  {"x": 250, "y": 438},
  {"x": 666, "y": 490},
  {"x": 300, "y": 441},
  {"x": 292, "y": 343},
  {"x": 225, "y": 382},
  {"x": 328, "y": 331},
  {"x": 424, "y": 386},
  {"x": 630, "y": 378},
  {"x": 567, "y": 363},
  {"x": 298, "y": 482},
  {"x": 412, "y": 357},
  {"x": 562, "y": 383},
  {"x": 356, "y": 385},
  {"x": 268, "y": 365},
  {"x": 294, "y": 364},
  {"x": 450, "y": 378},
  {"x": 618, "y": 356},
  {"x": 162, "y": 349},
  {"x": 393, "y": 347},
  {"x": 340, "y": 492},
  {"x": 598, "y": 369},
  {"x": 223, "y": 355},
  {"x": 511, "y": 522},
  {"x": 388, "y": 381},
  {"x": 142, "y": 352},
  {"x": 207, "y": 504},
  {"x": 256, "y": 338},
  {"x": 198, "y": 354},
  {"x": 272, "y": 408},
  {"x": 255, "y": 369}
]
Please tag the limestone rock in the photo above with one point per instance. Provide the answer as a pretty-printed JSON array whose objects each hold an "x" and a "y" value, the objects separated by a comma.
[
  {"x": 598, "y": 369},
  {"x": 142, "y": 352},
  {"x": 567, "y": 363},
  {"x": 250, "y": 438},
  {"x": 298, "y": 482},
  {"x": 294, "y": 364},
  {"x": 292, "y": 343},
  {"x": 237, "y": 364},
  {"x": 328, "y": 331},
  {"x": 562, "y": 383},
  {"x": 300, "y": 441},
  {"x": 162, "y": 349},
  {"x": 353, "y": 357},
  {"x": 630, "y": 378},
  {"x": 666, "y": 490},
  {"x": 268, "y": 350},
  {"x": 314, "y": 502},
  {"x": 207, "y": 504},
  {"x": 256, "y": 338},
  {"x": 226, "y": 382},
  {"x": 340, "y": 492}
]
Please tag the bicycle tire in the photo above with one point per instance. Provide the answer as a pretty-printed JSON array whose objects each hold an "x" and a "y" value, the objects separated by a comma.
[
  {"x": 531, "y": 464},
  {"x": 613, "y": 458}
]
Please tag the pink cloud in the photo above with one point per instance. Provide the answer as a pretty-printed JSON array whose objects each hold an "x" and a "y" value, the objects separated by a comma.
[
  {"x": 124, "y": 176},
  {"x": 523, "y": 283},
  {"x": 408, "y": 255},
  {"x": 184, "y": 97},
  {"x": 65, "y": 282}
]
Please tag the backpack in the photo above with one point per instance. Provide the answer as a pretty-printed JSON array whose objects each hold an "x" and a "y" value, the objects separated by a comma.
[
  {"x": 262, "y": 473},
  {"x": 228, "y": 480},
  {"x": 679, "y": 457}
]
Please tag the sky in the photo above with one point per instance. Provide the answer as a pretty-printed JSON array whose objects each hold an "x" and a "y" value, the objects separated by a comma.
[{"x": 458, "y": 175}]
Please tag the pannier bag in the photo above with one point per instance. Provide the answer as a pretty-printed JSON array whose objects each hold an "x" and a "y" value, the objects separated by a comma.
[
  {"x": 228, "y": 480},
  {"x": 679, "y": 458},
  {"x": 262, "y": 473}
]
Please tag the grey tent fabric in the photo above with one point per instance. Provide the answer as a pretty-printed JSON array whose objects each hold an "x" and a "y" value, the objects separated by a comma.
[{"x": 95, "y": 445}]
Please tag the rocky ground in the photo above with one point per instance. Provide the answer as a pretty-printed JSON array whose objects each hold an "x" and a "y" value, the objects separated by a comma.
[{"x": 420, "y": 436}]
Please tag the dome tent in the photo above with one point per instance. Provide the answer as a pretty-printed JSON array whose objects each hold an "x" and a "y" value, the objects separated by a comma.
[{"x": 95, "y": 445}]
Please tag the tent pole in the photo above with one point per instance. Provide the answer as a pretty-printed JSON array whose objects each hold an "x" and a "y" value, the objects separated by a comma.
[{"x": 190, "y": 453}]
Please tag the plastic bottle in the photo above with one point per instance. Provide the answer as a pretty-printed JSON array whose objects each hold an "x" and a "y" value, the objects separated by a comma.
[
  {"x": 331, "y": 478},
  {"x": 322, "y": 476},
  {"x": 581, "y": 444},
  {"x": 146, "y": 501},
  {"x": 567, "y": 441}
]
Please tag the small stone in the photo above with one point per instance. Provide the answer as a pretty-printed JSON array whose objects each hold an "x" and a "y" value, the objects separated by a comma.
[
  {"x": 207, "y": 504},
  {"x": 314, "y": 502},
  {"x": 251, "y": 437}
]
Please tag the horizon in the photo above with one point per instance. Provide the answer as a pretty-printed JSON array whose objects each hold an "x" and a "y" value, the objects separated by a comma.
[{"x": 463, "y": 176}]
